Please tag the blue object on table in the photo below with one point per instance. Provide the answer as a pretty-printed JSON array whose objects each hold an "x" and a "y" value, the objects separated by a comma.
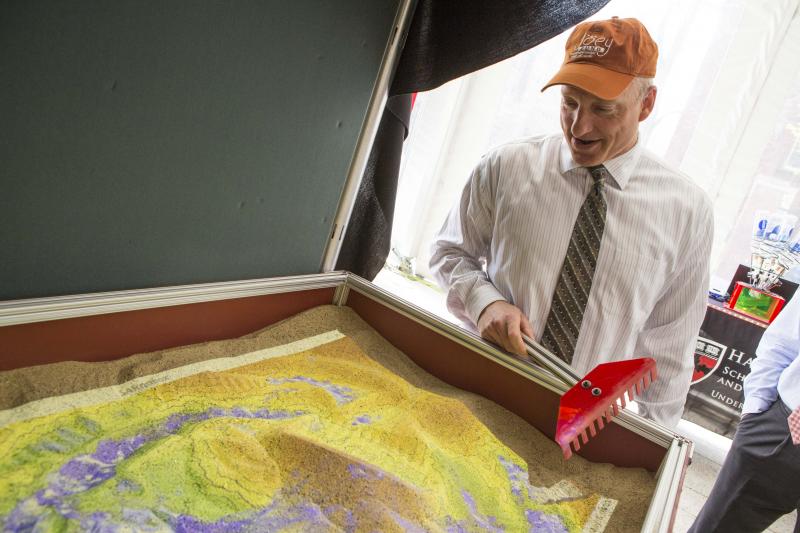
[{"x": 718, "y": 295}]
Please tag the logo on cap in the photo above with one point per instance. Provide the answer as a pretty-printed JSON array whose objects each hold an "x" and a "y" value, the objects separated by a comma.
[{"x": 592, "y": 45}]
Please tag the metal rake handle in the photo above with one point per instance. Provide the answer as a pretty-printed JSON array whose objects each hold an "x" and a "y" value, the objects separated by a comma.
[{"x": 553, "y": 364}]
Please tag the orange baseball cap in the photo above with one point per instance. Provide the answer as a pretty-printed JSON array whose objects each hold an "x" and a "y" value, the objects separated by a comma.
[{"x": 604, "y": 56}]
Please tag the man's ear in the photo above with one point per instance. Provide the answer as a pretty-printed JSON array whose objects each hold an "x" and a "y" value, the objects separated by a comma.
[{"x": 648, "y": 102}]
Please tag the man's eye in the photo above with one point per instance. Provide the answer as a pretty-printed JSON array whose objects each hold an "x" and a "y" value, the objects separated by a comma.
[
  {"x": 604, "y": 110},
  {"x": 570, "y": 104}
]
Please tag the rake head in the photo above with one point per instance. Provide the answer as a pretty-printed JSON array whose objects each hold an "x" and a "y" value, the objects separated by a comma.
[{"x": 595, "y": 397}]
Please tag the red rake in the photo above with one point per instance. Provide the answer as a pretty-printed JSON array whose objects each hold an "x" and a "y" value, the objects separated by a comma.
[{"x": 589, "y": 400}]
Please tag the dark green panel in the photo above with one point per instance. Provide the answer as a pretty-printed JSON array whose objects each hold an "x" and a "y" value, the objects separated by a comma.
[{"x": 156, "y": 143}]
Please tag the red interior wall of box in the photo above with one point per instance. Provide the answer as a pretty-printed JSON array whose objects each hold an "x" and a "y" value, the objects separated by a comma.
[
  {"x": 465, "y": 369},
  {"x": 115, "y": 335}
]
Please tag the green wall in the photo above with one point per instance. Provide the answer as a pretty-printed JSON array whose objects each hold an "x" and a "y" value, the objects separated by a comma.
[{"x": 152, "y": 143}]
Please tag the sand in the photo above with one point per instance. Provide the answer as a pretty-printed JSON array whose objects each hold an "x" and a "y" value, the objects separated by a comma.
[{"x": 633, "y": 488}]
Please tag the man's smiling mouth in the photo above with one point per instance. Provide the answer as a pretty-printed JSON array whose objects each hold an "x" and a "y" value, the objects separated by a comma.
[{"x": 582, "y": 142}]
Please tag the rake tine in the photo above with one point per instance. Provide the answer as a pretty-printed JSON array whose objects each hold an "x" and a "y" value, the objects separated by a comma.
[{"x": 591, "y": 403}]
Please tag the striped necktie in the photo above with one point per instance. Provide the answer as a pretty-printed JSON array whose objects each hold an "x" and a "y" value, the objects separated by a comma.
[{"x": 572, "y": 290}]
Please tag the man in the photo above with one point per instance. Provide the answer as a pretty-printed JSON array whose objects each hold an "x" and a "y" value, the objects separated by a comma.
[
  {"x": 760, "y": 479},
  {"x": 589, "y": 243}
]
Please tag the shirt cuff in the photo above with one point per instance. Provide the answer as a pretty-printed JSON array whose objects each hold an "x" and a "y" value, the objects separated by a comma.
[
  {"x": 754, "y": 404},
  {"x": 479, "y": 298}
]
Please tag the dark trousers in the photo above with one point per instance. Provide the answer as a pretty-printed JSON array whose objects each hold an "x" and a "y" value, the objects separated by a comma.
[{"x": 760, "y": 479}]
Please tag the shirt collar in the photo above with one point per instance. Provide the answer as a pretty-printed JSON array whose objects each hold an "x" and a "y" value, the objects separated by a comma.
[{"x": 620, "y": 168}]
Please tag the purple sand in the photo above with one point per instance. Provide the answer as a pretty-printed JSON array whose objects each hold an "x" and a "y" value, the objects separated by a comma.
[
  {"x": 363, "y": 419},
  {"x": 98, "y": 522},
  {"x": 547, "y": 523},
  {"x": 517, "y": 476},
  {"x": 175, "y": 422},
  {"x": 511, "y": 467},
  {"x": 362, "y": 471},
  {"x": 349, "y": 518},
  {"x": 239, "y": 412},
  {"x": 142, "y": 518},
  {"x": 264, "y": 520},
  {"x": 190, "y": 524},
  {"x": 112, "y": 451},
  {"x": 85, "y": 472},
  {"x": 456, "y": 528},
  {"x": 340, "y": 393},
  {"x": 486, "y": 523},
  {"x": 19, "y": 520}
]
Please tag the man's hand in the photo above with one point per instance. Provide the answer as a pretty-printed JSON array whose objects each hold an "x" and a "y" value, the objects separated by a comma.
[{"x": 503, "y": 324}]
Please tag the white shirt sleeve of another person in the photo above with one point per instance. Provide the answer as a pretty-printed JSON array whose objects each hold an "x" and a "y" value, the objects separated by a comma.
[
  {"x": 775, "y": 364},
  {"x": 670, "y": 332}
]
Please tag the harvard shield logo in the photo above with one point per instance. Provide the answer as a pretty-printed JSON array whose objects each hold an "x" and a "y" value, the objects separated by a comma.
[{"x": 708, "y": 355}]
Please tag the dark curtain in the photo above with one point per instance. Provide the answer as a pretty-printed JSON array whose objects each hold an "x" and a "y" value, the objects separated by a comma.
[{"x": 447, "y": 39}]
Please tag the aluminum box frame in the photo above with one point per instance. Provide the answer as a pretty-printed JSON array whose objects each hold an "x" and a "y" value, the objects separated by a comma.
[{"x": 677, "y": 450}]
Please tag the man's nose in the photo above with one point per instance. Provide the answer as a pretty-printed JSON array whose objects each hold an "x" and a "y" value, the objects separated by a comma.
[{"x": 581, "y": 123}]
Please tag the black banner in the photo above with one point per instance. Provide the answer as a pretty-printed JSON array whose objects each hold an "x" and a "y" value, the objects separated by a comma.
[{"x": 725, "y": 349}]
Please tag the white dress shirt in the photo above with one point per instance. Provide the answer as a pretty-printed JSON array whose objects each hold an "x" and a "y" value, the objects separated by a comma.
[
  {"x": 507, "y": 237},
  {"x": 776, "y": 368}
]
